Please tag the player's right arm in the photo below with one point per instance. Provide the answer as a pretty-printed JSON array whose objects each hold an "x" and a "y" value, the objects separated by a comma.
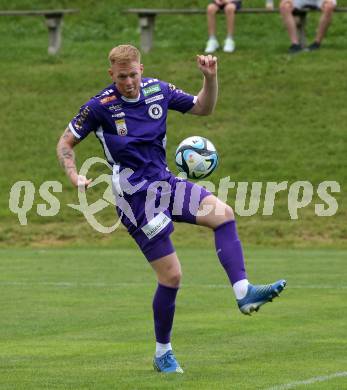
[
  {"x": 66, "y": 156},
  {"x": 207, "y": 97}
]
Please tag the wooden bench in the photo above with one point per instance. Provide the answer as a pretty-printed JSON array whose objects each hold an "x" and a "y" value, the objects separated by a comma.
[
  {"x": 147, "y": 20},
  {"x": 53, "y": 19}
]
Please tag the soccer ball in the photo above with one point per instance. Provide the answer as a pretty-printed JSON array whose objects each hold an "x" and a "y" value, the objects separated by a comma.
[{"x": 197, "y": 157}]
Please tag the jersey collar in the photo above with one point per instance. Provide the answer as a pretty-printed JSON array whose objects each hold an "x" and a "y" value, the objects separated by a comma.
[{"x": 134, "y": 100}]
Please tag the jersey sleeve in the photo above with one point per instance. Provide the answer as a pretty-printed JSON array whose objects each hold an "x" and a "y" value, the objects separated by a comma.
[
  {"x": 179, "y": 100},
  {"x": 84, "y": 122}
]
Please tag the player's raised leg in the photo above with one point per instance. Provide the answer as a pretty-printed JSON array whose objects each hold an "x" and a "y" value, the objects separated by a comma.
[
  {"x": 218, "y": 216},
  {"x": 168, "y": 270}
]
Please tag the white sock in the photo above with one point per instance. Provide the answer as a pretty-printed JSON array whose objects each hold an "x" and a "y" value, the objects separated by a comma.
[
  {"x": 160, "y": 349},
  {"x": 240, "y": 288},
  {"x": 212, "y": 37}
]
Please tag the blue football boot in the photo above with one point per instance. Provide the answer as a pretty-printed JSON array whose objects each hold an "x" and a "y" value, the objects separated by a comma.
[
  {"x": 259, "y": 295},
  {"x": 167, "y": 363}
]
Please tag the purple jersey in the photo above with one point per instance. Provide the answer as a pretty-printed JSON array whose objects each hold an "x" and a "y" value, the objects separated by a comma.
[{"x": 132, "y": 132}]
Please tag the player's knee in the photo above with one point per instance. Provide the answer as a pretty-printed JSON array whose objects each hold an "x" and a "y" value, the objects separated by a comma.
[
  {"x": 223, "y": 213},
  {"x": 229, "y": 213},
  {"x": 174, "y": 279}
]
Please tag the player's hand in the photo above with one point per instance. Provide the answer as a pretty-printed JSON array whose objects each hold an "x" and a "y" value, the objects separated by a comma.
[
  {"x": 207, "y": 64},
  {"x": 81, "y": 182}
]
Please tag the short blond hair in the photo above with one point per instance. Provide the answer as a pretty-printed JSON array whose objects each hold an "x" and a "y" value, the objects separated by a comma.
[{"x": 124, "y": 54}]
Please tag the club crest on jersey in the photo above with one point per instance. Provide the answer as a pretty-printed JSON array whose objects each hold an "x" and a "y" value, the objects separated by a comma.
[
  {"x": 151, "y": 89},
  {"x": 155, "y": 111},
  {"x": 121, "y": 127}
]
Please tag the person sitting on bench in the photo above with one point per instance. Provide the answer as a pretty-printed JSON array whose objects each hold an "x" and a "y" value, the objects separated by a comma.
[
  {"x": 288, "y": 6},
  {"x": 229, "y": 7}
]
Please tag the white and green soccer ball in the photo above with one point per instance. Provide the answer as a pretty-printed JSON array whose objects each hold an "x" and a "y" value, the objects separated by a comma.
[{"x": 197, "y": 157}]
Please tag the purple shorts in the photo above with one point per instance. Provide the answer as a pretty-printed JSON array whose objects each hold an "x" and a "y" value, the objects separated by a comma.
[
  {"x": 237, "y": 3},
  {"x": 148, "y": 214}
]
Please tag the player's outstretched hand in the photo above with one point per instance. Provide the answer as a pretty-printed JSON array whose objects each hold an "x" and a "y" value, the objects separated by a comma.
[
  {"x": 207, "y": 64},
  {"x": 81, "y": 182}
]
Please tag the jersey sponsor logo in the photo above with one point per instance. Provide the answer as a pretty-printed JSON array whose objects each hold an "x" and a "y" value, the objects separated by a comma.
[
  {"x": 151, "y": 89},
  {"x": 156, "y": 225},
  {"x": 149, "y": 82},
  {"x": 115, "y": 107},
  {"x": 121, "y": 127},
  {"x": 154, "y": 98},
  {"x": 107, "y": 99},
  {"x": 119, "y": 115},
  {"x": 81, "y": 118},
  {"x": 155, "y": 111},
  {"x": 107, "y": 92}
]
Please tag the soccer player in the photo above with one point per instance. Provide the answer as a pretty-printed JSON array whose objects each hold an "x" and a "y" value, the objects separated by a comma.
[
  {"x": 129, "y": 119},
  {"x": 229, "y": 7},
  {"x": 288, "y": 6}
]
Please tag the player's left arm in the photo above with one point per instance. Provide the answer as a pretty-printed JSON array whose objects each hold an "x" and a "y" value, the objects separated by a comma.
[
  {"x": 207, "y": 97},
  {"x": 66, "y": 157}
]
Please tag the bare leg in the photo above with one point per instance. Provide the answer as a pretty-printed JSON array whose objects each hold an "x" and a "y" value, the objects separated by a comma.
[
  {"x": 286, "y": 9},
  {"x": 168, "y": 270},
  {"x": 212, "y": 9},
  {"x": 325, "y": 20},
  {"x": 230, "y": 16},
  {"x": 213, "y": 212}
]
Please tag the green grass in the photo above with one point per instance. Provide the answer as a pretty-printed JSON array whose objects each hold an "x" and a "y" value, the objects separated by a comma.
[
  {"x": 278, "y": 118},
  {"x": 81, "y": 319}
]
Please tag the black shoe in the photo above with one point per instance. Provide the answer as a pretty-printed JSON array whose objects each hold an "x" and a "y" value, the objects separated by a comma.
[
  {"x": 314, "y": 46},
  {"x": 294, "y": 48}
]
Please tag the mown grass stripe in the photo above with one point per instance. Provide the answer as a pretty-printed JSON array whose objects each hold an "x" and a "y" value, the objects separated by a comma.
[
  {"x": 310, "y": 381},
  {"x": 126, "y": 284}
]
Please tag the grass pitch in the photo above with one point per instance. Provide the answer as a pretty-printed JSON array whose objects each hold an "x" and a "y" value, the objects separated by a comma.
[
  {"x": 278, "y": 117},
  {"x": 81, "y": 319}
]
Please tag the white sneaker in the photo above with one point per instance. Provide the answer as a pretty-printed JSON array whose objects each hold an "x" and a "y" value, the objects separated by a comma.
[
  {"x": 229, "y": 45},
  {"x": 212, "y": 45}
]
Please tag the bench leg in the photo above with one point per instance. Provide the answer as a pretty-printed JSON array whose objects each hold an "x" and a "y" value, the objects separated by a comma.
[
  {"x": 146, "y": 30},
  {"x": 54, "y": 25},
  {"x": 300, "y": 25}
]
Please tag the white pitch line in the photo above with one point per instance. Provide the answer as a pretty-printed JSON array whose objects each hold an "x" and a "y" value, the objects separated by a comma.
[
  {"x": 310, "y": 381},
  {"x": 135, "y": 284}
]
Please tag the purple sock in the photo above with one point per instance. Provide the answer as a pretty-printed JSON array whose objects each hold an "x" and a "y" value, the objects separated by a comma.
[
  {"x": 229, "y": 251},
  {"x": 164, "y": 310}
]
